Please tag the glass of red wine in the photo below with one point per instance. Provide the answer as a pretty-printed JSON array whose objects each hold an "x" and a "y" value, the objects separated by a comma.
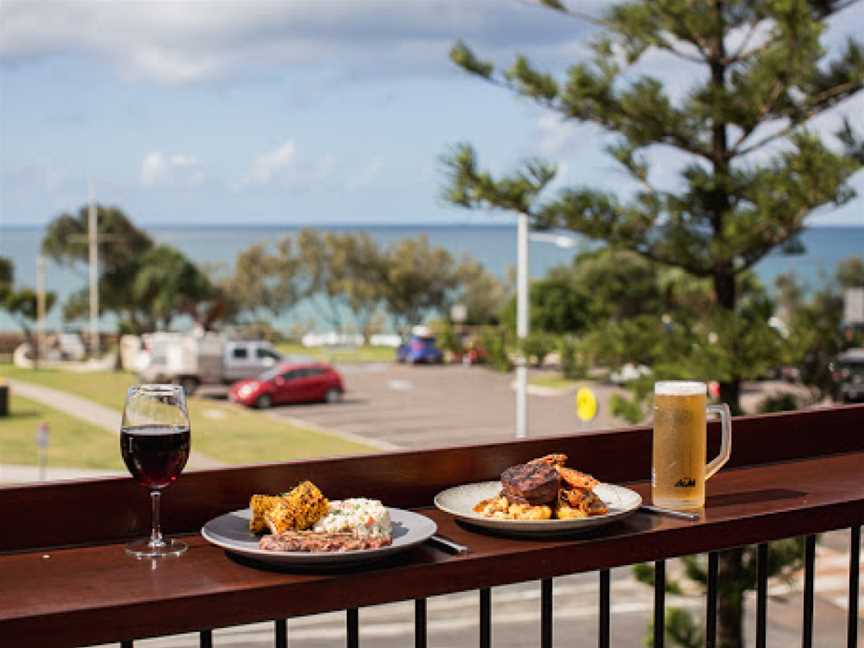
[{"x": 154, "y": 441}]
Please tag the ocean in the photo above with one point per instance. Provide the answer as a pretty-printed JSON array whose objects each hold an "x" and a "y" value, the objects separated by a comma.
[{"x": 492, "y": 245}]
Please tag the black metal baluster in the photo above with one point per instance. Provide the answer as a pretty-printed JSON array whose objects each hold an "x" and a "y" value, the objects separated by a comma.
[
  {"x": 603, "y": 621},
  {"x": 353, "y": 627},
  {"x": 420, "y": 623},
  {"x": 486, "y": 618},
  {"x": 761, "y": 595},
  {"x": 125, "y": 644},
  {"x": 280, "y": 632},
  {"x": 206, "y": 639},
  {"x": 711, "y": 611},
  {"x": 546, "y": 613},
  {"x": 809, "y": 565},
  {"x": 659, "y": 603},
  {"x": 854, "y": 567}
]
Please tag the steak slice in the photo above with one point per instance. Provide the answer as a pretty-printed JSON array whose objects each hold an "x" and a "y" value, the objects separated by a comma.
[
  {"x": 531, "y": 483},
  {"x": 313, "y": 541}
]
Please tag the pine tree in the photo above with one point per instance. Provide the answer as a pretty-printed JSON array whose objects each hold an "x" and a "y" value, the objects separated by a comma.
[{"x": 754, "y": 171}]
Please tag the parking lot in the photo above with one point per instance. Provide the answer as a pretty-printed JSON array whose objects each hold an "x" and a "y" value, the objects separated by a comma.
[{"x": 427, "y": 406}]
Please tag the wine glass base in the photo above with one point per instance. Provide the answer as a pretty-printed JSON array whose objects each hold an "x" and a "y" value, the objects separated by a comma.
[{"x": 145, "y": 549}]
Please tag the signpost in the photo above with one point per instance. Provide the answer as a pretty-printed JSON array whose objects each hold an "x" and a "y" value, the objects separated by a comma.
[
  {"x": 586, "y": 404},
  {"x": 43, "y": 435}
]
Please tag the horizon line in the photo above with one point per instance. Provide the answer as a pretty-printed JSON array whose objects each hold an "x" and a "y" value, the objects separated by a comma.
[{"x": 265, "y": 225}]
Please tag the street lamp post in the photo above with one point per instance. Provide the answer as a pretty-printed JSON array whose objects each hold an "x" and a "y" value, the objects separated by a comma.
[
  {"x": 522, "y": 321},
  {"x": 521, "y": 325},
  {"x": 93, "y": 243}
]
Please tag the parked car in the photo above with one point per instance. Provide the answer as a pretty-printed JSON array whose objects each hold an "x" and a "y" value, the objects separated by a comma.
[
  {"x": 193, "y": 360},
  {"x": 290, "y": 382},
  {"x": 847, "y": 371},
  {"x": 420, "y": 348}
]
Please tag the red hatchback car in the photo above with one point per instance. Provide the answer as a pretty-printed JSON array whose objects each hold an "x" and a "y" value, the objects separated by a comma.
[{"x": 290, "y": 382}]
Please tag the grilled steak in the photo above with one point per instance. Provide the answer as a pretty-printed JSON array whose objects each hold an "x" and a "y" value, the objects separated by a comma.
[
  {"x": 531, "y": 483},
  {"x": 313, "y": 541}
]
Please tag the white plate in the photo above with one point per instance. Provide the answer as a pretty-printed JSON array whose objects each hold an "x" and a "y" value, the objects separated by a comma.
[
  {"x": 231, "y": 532},
  {"x": 460, "y": 501}
]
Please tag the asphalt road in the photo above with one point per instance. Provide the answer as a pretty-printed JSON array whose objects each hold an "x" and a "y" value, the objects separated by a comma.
[{"x": 431, "y": 406}]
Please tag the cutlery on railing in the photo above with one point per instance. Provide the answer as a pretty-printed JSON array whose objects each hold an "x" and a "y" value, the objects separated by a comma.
[
  {"x": 676, "y": 514},
  {"x": 448, "y": 545}
]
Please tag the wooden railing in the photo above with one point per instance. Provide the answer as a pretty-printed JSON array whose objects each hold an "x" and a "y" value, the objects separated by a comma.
[{"x": 65, "y": 579}]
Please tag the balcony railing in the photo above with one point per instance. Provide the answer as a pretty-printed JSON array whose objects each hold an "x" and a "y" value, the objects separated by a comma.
[{"x": 65, "y": 579}]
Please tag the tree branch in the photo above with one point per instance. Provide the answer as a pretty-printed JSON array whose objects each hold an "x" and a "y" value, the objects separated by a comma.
[
  {"x": 561, "y": 8},
  {"x": 817, "y": 106}
]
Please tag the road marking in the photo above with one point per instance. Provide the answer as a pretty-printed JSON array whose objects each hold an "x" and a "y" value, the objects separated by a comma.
[{"x": 397, "y": 384}]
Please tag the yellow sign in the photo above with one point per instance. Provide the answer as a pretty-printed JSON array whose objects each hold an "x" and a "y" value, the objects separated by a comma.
[{"x": 586, "y": 404}]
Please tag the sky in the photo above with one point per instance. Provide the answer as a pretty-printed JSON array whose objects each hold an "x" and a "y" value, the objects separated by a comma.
[{"x": 293, "y": 112}]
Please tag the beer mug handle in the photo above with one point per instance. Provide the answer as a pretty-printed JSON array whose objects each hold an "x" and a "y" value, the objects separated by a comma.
[{"x": 726, "y": 440}]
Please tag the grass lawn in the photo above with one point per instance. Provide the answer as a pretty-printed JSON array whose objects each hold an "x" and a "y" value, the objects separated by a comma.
[
  {"x": 343, "y": 355},
  {"x": 552, "y": 380},
  {"x": 73, "y": 442},
  {"x": 107, "y": 388},
  {"x": 223, "y": 431}
]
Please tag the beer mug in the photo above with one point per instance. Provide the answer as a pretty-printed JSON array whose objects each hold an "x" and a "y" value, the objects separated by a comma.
[{"x": 678, "y": 469}]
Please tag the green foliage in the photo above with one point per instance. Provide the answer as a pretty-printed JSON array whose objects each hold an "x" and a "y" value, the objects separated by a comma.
[
  {"x": 265, "y": 280},
  {"x": 144, "y": 284},
  {"x": 482, "y": 294},
  {"x": 730, "y": 207},
  {"x": 169, "y": 284},
  {"x": 21, "y": 304},
  {"x": 574, "y": 358},
  {"x": 7, "y": 277},
  {"x": 66, "y": 241},
  {"x": 625, "y": 408},
  {"x": 449, "y": 340},
  {"x": 494, "y": 341},
  {"x": 815, "y": 325},
  {"x": 536, "y": 346},
  {"x": 418, "y": 280},
  {"x": 682, "y": 630},
  {"x": 850, "y": 273},
  {"x": 782, "y": 402}
]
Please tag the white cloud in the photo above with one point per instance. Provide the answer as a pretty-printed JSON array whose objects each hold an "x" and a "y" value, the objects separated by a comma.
[
  {"x": 268, "y": 165},
  {"x": 189, "y": 41},
  {"x": 556, "y": 137},
  {"x": 170, "y": 169}
]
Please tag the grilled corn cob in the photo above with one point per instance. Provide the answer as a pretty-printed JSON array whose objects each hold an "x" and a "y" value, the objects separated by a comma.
[
  {"x": 259, "y": 505},
  {"x": 298, "y": 510}
]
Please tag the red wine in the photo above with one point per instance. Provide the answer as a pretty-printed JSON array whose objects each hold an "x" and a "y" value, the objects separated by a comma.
[{"x": 155, "y": 454}]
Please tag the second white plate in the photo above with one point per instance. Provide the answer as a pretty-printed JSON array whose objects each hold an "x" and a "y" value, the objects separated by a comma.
[{"x": 460, "y": 501}]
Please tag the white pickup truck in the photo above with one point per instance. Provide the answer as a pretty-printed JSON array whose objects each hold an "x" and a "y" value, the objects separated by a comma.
[{"x": 193, "y": 360}]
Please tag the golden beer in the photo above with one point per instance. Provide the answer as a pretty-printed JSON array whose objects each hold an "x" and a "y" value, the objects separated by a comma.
[{"x": 678, "y": 461}]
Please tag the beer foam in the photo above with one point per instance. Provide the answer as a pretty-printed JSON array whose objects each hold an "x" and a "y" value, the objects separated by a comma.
[{"x": 680, "y": 388}]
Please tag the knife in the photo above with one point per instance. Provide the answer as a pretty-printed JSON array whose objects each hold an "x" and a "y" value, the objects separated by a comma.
[
  {"x": 676, "y": 514},
  {"x": 448, "y": 545}
]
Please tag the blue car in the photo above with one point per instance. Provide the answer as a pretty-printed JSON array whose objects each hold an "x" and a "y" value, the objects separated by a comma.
[{"x": 420, "y": 349}]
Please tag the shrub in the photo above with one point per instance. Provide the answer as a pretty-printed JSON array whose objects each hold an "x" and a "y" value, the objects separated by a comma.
[
  {"x": 494, "y": 342},
  {"x": 782, "y": 402},
  {"x": 536, "y": 346},
  {"x": 574, "y": 364}
]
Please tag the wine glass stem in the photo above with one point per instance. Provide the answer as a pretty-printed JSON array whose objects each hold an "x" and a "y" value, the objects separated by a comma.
[{"x": 156, "y": 532}]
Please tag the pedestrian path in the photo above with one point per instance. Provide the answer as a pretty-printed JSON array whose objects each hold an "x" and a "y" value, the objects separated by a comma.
[
  {"x": 94, "y": 413},
  {"x": 830, "y": 582}
]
